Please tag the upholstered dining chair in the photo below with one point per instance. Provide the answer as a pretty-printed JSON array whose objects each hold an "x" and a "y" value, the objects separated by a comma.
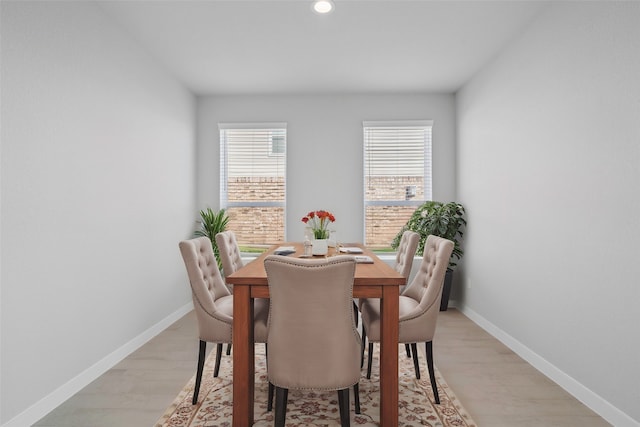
[
  {"x": 230, "y": 255},
  {"x": 312, "y": 338},
  {"x": 419, "y": 307},
  {"x": 404, "y": 256},
  {"x": 231, "y": 259},
  {"x": 213, "y": 303},
  {"x": 404, "y": 262}
]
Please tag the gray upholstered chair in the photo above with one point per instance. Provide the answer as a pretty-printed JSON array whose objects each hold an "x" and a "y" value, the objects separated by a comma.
[
  {"x": 312, "y": 338},
  {"x": 213, "y": 303},
  {"x": 419, "y": 306},
  {"x": 404, "y": 262}
]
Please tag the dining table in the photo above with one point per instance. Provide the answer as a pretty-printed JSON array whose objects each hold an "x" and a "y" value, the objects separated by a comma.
[{"x": 375, "y": 279}]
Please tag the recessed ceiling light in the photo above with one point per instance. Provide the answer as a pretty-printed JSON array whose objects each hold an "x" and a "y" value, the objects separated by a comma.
[{"x": 322, "y": 6}]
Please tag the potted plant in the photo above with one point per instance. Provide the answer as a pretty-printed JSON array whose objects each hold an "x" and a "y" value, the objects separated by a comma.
[
  {"x": 212, "y": 223},
  {"x": 318, "y": 222},
  {"x": 440, "y": 219}
]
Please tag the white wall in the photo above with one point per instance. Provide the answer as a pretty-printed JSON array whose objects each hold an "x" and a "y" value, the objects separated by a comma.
[
  {"x": 324, "y": 148},
  {"x": 98, "y": 187},
  {"x": 549, "y": 170}
]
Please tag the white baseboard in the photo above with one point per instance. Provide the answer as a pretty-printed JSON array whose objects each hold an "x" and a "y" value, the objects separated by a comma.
[
  {"x": 45, "y": 405},
  {"x": 593, "y": 401}
]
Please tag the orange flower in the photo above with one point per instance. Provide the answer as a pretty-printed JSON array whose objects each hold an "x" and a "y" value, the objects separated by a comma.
[{"x": 319, "y": 221}]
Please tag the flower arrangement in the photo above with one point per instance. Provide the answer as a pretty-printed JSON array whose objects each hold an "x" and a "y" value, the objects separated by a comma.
[{"x": 319, "y": 221}]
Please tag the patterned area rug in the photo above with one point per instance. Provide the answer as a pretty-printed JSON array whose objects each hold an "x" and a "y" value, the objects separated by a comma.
[{"x": 416, "y": 407}]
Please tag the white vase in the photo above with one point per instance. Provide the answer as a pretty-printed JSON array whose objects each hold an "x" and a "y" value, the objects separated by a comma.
[{"x": 320, "y": 247}]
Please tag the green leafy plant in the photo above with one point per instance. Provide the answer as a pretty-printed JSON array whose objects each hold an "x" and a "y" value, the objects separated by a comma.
[
  {"x": 440, "y": 219},
  {"x": 212, "y": 223}
]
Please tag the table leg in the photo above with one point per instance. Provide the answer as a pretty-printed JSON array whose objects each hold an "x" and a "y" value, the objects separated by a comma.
[
  {"x": 243, "y": 357},
  {"x": 389, "y": 356}
]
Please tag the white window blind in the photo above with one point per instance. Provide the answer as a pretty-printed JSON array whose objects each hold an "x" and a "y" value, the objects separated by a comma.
[
  {"x": 253, "y": 180},
  {"x": 397, "y": 175}
]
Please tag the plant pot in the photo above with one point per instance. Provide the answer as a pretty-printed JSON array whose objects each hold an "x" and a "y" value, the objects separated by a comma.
[
  {"x": 446, "y": 290},
  {"x": 320, "y": 246}
]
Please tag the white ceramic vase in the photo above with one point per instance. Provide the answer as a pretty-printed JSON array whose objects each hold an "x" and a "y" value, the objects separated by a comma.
[{"x": 320, "y": 246}]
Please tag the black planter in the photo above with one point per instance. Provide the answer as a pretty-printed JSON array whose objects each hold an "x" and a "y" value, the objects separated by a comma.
[{"x": 446, "y": 290}]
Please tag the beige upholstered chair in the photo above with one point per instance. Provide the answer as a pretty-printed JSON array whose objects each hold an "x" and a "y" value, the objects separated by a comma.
[
  {"x": 213, "y": 303},
  {"x": 230, "y": 255},
  {"x": 419, "y": 306},
  {"x": 231, "y": 259},
  {"x": 406, "y": 252},
  {"x": 404, "y": 262},
  {"x": 404, "y": 257},
  {"x": 312, "y": 339}
]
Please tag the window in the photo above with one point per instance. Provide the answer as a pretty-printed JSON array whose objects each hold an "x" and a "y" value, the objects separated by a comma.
[
  {"x": 252, "y": 180},
  {"x": 397, "y": 176}
]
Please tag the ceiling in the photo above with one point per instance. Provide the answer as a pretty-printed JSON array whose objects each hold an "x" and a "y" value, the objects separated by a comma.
[{"x": 364, "y": 46}]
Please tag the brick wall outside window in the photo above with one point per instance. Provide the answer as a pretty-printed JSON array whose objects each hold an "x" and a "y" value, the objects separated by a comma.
[
  {"x": 261, "y": 225},
  {"x": 264, "y": 225},
  {"x": 384, "y": 222}
]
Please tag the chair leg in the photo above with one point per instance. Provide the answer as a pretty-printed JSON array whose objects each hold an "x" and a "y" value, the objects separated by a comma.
[
  {"x": 270, "y": 397},
  {"x": 356, "y": 397},
  {"x": 228, "y": 349},
  {"x": 218, "y": 357},
  {"x": 364, "y": 341},
  {"x": 370, "y": 356},
  {"x": 281, "y": 406},
  {"x": 434, "y": 386},
  {"x": 408, "y": 350},
  {"x": 343, "y": 401},
  {"x": 271, "y": 386},
  {"x": 416, "y": 365},
  {"x": 201, "y": 353},
  {"x": 355, "y": 313}
]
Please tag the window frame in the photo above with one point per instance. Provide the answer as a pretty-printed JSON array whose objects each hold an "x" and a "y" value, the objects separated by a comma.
[
  {"x": 427, "y": 167},
  {"x": 224, "y": 166}
]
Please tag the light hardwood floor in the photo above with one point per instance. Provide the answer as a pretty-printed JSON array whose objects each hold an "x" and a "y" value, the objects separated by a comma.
[{"x": 497, "y": 387}]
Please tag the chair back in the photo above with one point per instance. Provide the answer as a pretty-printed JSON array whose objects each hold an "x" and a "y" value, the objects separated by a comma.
[
  {"x": 426, "y": 289},
  {"x": 311, "y": 335},
  {"x": 229, "y": 252},
  {"x": 207, "y": 288},
  {"x": 406, "y": 252}
]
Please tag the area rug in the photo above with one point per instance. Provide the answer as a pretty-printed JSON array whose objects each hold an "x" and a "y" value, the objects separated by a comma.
[{"x": 416, "y": 407}]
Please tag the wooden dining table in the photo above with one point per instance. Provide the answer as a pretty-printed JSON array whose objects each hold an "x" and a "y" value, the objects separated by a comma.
[{"x": 372, "y": 280}]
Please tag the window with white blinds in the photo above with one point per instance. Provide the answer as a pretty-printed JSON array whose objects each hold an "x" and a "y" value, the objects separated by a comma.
[
  {"x": 397, "y": 176},
  {"x": 253, "y": 166}
]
